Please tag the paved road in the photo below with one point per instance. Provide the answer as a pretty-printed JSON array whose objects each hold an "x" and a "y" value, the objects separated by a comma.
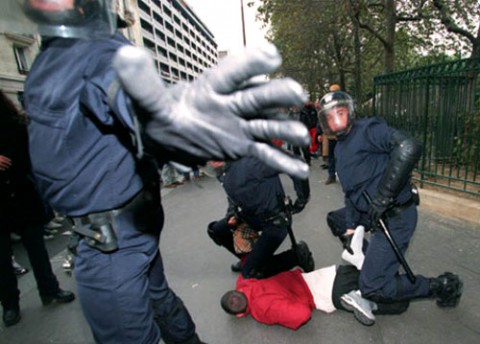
[{"x": 199, "y": 272}]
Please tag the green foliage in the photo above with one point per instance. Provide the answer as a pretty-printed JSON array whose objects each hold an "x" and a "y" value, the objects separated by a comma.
[{"x": 316, "y": 37}]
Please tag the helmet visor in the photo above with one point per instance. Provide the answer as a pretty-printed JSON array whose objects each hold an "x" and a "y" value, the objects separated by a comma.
[
  {"x": 336, "y": 113},
  {"x": 337, "y": 119},
  {"x": 86, "y": 19}
]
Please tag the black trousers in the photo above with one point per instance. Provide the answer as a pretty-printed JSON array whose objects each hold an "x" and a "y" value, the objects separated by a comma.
[{"x": 32, "y": 239}]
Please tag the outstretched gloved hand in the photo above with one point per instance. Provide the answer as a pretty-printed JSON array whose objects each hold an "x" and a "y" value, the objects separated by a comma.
[{"x": 213, "y": 117}]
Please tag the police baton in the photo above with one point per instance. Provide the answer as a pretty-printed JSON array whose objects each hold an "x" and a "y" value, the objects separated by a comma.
[
  {"x": 392, "y": 242},
  {"x": 288, "y": 207}
]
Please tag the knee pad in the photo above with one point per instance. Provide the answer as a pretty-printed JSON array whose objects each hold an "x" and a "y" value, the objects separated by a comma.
[{"x": 211, "y": 233}]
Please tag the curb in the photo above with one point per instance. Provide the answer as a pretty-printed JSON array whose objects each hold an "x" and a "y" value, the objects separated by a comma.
[{"x": 450, "y": 206}]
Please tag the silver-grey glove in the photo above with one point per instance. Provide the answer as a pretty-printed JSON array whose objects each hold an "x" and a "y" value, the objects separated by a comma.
[{"x": 213, "y": 116}]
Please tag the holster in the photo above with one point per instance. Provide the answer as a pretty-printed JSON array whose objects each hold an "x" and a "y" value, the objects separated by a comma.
[
  {"x": 397, "y": 209},
  {"x": 100, "y": 229},
  {"x": 97, "y": 230}
]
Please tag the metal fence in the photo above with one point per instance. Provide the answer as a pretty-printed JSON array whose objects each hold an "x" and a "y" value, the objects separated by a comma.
[{"x": 440, "y": 105}]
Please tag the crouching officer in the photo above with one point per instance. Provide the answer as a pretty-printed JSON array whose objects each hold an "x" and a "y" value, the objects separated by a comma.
[
  {"x": 87, "y": 153},
  {"x": 375, "y": 159},
  {"x": 257, "y": 197}
]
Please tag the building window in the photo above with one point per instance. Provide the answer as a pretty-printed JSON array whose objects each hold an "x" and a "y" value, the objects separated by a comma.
[{"x": 21, "y": 57}]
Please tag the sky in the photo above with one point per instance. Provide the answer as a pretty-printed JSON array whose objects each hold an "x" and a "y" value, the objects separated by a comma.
[{"x": 223, "y": 19}]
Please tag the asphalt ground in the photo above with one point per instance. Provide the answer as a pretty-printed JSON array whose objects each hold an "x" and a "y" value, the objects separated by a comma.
[{"x": 199, "y": 272}]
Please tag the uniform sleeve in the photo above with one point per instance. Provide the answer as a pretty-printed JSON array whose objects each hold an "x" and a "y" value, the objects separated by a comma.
[
  {"x": 379, "y": 135},
  {"x": 352, "y": 217},
  {"x": 102, "y": 95}
]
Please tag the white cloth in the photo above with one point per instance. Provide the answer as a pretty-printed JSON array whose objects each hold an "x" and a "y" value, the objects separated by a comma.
[{"x": 320, "y": 283}]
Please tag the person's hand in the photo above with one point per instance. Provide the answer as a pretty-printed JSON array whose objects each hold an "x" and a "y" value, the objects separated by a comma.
[
  {"x": 377, "y": 209},
  {"x": 216, "y": 116},
  {"x": 232, "y": 221},
  {"x": 5, "y": 163}
]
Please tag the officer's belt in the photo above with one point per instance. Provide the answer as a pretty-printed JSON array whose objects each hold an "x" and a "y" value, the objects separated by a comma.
[
  {"x": 99, "y": 228},
  {"x": 266, "y": 217},
  {"x": 134, "y": 203},
  {"x": 274, "y": 214}
]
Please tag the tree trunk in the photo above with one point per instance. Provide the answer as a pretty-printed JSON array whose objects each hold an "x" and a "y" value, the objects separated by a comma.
[{"x": 390, "y": 23}]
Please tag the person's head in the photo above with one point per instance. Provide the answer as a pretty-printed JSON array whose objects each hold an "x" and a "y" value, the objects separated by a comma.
[
  {"x": 218, "y": 167},
  {"x": 234, "y": 302},
  {"x": 336, "y": 113},
  {"x": 334, "y": 88},
  {"x": 63, "y": 18}
]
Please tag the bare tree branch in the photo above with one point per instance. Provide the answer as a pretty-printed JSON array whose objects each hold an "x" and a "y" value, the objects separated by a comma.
[{"x": 449, "y": 24}]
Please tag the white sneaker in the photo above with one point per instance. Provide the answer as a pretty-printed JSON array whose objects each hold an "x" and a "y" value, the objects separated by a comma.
[
  {"x": 361, "y": 308},
  {"x": 47, "y": 236},
  {"x": 53, "y": 225},
  {"x": 50, "y": 231}
]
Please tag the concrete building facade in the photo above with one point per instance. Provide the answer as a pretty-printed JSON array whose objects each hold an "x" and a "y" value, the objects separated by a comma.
[
  {"x": 17, "y": 53},
  {"x": 181, "y": 44}
]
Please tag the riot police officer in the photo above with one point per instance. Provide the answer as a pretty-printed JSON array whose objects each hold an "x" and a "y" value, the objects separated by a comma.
[
  {"x": 90, "y": 154},
  {"x": 377, "y": 160},
  {"x": 257, "y": 197}
]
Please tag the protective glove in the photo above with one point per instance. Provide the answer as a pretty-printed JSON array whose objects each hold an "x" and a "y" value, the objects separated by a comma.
[
  {"x": 213, "y": 117},
  {"x": 378, "y": 207}
]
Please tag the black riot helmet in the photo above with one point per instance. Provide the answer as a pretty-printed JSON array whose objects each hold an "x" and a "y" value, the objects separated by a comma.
[
  {"x": 336, "y": 113},
  {"x": 60, "y": 18}
]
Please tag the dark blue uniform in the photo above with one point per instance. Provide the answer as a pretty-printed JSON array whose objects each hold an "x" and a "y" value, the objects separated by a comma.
[
  {"x": 84, "y": 162},
  {"x": 361, "y": 159},
  {"x": 257, "y": 193}
]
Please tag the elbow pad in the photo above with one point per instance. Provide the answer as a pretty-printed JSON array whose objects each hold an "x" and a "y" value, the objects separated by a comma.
[{"x": 405, "y": 155}]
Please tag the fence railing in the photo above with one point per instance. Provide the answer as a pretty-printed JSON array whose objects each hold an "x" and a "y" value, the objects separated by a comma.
[{"x": 440, "y": 105}]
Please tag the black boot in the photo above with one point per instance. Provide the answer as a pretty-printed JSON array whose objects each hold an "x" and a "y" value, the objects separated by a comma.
[
  {"x": 11, "y": 315},
  {"x": 236, "y": 267},
  {"x": 305, "y": 258},
  {"x": 299, "y": 205},
  {"x": 447, "y": 289},
  {"x": 61, "y": 296}
]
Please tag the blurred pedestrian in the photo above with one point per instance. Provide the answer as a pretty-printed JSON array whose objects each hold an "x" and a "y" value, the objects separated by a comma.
[{"x": 22, "y": 211}]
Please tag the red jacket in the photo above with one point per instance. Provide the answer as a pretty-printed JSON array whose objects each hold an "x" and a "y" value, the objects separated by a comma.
[{"x": 282, "y": 299}]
